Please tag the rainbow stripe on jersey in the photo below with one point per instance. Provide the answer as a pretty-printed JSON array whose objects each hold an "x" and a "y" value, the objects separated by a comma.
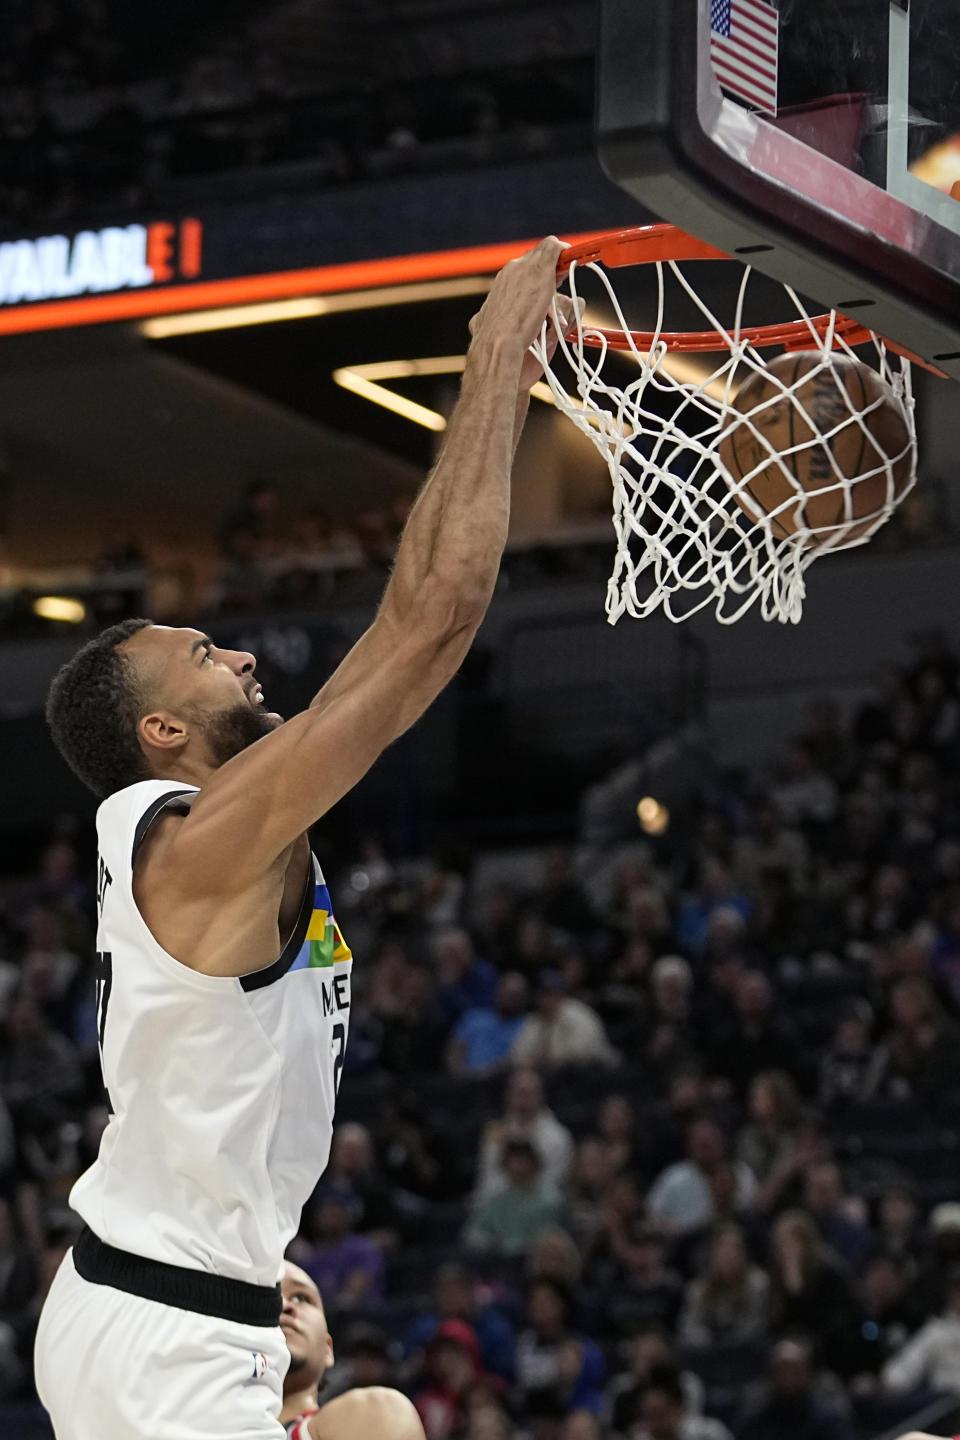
[{"x": 323, "y": 946}]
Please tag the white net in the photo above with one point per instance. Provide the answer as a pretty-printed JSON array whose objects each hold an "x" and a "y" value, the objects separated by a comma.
[{"x": 715, "y": 505}]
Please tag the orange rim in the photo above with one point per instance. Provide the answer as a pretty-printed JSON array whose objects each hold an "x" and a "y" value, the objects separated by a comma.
[{"x": 656, "y": 244}]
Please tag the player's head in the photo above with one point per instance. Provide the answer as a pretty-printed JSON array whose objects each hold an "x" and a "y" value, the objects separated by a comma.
[
  {"x": 143, "y": 701},
  {"x": 304, "y": 1326}
]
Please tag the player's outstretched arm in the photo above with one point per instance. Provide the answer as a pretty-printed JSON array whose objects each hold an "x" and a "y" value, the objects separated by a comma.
[
  {"x": 376, "y": 1413},
  {"x": 446, "y": 566}
]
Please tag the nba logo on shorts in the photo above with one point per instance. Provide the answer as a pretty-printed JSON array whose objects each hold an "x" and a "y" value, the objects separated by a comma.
[{"x": 259, "y": 1365}]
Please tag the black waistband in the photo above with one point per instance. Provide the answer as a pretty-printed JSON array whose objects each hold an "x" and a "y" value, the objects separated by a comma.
[{"x": 175, "y": 1285}]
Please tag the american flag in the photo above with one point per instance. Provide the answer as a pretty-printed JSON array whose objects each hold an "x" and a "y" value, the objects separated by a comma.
[{"x": 743, "y": 48}]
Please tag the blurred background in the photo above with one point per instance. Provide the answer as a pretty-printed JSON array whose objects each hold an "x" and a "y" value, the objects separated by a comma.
[{"x": 650, "y": 1120}]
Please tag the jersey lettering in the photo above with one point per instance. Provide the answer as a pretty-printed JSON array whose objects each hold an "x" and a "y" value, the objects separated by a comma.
[
  {"x": 335, "y": 996},
  {"x": 340, "y": 1040},
  {"x": 103, "y": 971},
  {"x": 104, "y": 881}
]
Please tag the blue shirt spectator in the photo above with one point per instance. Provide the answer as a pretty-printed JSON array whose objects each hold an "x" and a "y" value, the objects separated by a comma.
[
  {"x": 716, "y": 887},
  {"x": 455, "y": 1298},
  {"x": 348, "y": 1269},
  {"x": 464, "y": 981},
  {"x": 482, "y": 1040}
]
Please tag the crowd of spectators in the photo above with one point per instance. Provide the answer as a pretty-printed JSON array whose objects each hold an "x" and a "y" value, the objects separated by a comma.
[
  {"x": 101, "y": 108},
  {"x": 655, "y": 1141},
  {"x": 275, "y": 555}
]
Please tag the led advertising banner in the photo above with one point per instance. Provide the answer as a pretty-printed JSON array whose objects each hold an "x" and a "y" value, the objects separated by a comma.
[{"x": 396, "y": 232}]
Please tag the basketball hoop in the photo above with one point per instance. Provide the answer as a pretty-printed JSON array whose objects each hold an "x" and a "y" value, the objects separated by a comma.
[{"x": 691, "y": 531}]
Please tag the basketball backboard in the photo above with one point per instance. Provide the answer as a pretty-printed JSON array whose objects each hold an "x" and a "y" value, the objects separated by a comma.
[{"x": 820, "y": 139}]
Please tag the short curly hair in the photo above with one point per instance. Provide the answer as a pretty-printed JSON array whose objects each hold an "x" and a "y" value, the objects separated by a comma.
[{"x": 93, "y": 706}]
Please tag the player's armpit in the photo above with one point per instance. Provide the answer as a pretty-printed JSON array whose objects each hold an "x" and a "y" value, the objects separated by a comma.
[
  {"x": 258, "y": 803},
  {"x": 376, "y": 1413}
]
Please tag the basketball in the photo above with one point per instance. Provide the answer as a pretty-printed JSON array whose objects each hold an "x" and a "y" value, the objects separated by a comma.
[{"x": 832, "y": 397}]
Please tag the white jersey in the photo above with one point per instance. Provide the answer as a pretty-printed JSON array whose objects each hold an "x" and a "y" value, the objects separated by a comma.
[{"x": 222, "y": 1089}]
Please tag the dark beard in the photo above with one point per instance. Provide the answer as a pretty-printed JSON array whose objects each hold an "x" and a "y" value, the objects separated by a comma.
[
  {"x": 298, "y": 1363},
  {"x": 231, "y": 731}
]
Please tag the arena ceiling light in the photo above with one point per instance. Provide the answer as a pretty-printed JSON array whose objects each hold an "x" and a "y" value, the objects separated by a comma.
[
  {"x": 364, "y": 380},
  {"x": 306, "y": 307},
  {"x": 653, "y": 816},
  {"x": 60, "y": 607}
]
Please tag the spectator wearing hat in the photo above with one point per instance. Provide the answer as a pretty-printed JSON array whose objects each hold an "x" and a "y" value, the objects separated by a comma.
[
  {"x": 562, "y": 1030},
  {"x": 526, "y": 1114},
  {"x": 455, "y": 1297},
  {"x": 347, "y": 1268},
  {"x": 453, "y": 1368},
  {"x": 508, "y": 1220}
]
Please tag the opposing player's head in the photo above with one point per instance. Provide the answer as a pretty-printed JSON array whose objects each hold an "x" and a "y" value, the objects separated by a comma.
[
  {"x": 304, "y": 1326},
  {"x": 143, "y": 701}
]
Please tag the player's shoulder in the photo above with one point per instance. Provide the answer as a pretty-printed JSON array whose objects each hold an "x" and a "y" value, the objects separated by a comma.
[
  {"x": 126, "y": 817},
  {"x": 143, "y": 798},
  {"x": 376, "y": 1411}
]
